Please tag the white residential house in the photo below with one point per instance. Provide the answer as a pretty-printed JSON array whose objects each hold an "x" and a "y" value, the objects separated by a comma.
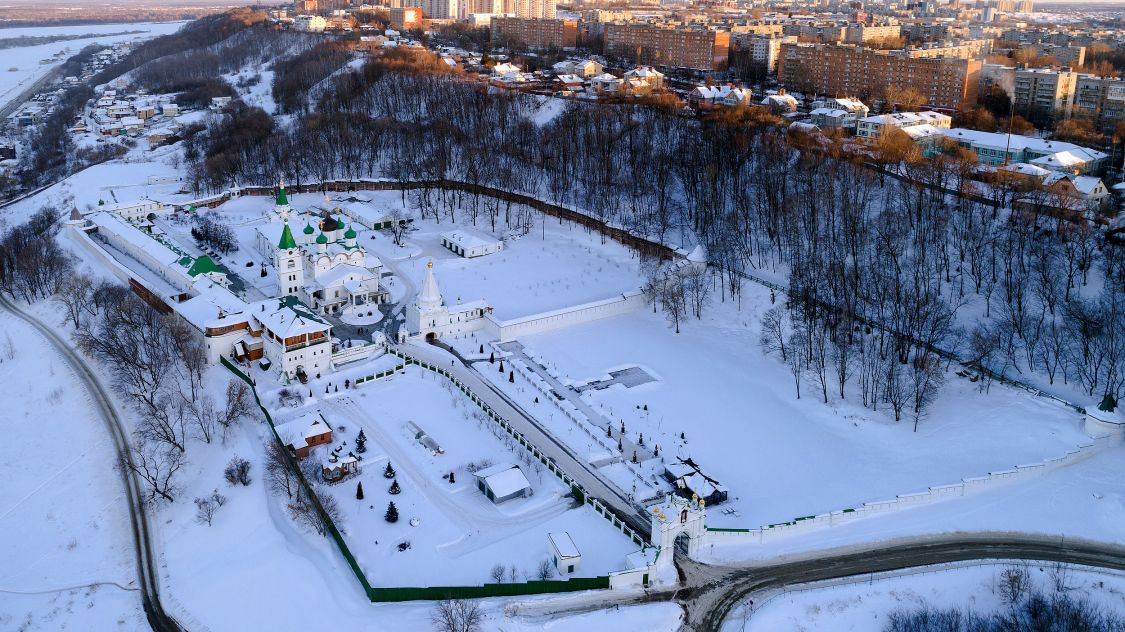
[
  {"x": 219, "y": 104},
  {"x": 170, "y": 109},
  {"x": 780, "y": 103},
  {"x": 651, "y": 77},
  {"x": 584, "y": 69},
  {"x": 564, "y": 553},
  {"x": 725, "y": 95},
  {"x": 605, "y": 83},
  {"x": 505, "y": 69},
  {"x": 470, "y": 243}
]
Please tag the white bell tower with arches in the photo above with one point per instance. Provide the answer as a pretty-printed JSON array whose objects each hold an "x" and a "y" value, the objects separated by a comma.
[{"x": 674, "y": 518}]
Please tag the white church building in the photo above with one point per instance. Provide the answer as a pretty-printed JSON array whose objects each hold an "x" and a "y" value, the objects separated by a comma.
[
  {"x": 323, "y": 265},
  {"x": 430, "y": 318}
]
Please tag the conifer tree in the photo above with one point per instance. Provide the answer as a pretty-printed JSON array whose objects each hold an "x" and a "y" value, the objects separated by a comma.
[
  {"x": 361, "y": 443},
  {"x": 392, "y": 513},
  {"x": 359, "y": 491},
  {"x": 395, "y": 489},
  {"x": 389, "y": 472}
]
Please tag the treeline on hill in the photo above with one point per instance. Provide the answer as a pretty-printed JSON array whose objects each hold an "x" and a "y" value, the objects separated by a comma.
[
  {"x": 295, "y": 76},
  {"x": 195, "y": 71},
  {"x": 880, "y": 262}
]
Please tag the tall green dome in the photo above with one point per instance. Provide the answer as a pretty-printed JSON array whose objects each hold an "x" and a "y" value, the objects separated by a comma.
[
  {"x": 308, "y": 229},
  {"x": 350, "y": 233},
  {"x": 322, "y": 239}
]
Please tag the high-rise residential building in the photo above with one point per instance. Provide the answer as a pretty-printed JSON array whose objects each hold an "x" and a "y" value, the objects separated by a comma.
[
  {"x": 534, "y": 33},
  {"x": 676, "y": 47},
  {"x": 765, "y": 49},
  {"x": 1042, "y": 90},
  {"x": 406, "y": 19},
  {"x": 534, "y": 8},
  {"x": 437, "y": 9},
  {"x": 1100, "y": 99},
  {"x": 946, "y": 83}
]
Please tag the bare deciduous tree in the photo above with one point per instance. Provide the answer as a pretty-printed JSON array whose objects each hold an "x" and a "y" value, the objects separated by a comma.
[{"x": 456, "y": 615}]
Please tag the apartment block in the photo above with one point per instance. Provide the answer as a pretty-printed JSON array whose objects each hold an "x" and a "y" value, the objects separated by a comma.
[
  {"x": 543, "y": 9},
  {"x": 1101, "y": 100},
  {"x": 675, "y": 47},
  {"x": 1044, "y": 90},
  {"x": 764, "y": 49},
  {"x": 438, "y": 9},
  {"x": 947, "y": 83},
  {"x": 860, "y": 33},
  {"x": 406, "y": 19},
  {"x": 534, "y": 33},
  {"x": 827, "y": 33}
]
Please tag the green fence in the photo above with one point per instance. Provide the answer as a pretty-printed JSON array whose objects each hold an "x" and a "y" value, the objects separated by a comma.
[
  {"x": 410, "y": 593},
  {"x": 488, "y": 590}
]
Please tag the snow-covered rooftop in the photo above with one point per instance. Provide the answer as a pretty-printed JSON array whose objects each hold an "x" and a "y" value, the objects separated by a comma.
[{"x": 503, "y": 479}]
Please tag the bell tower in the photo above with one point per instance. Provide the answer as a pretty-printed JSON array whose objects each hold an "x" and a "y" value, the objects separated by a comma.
[{"x": 287, "y": 263}]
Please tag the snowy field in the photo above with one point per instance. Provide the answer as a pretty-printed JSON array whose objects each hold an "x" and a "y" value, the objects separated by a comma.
[
  {"x": 459, "y": 533},
  {"x": 68, "y": 557},
  {"x": 1084, "y": 500},
  {"x": 714, "y": 385},
  {"x": 864, "y": 606},
  {"x": 23, "y": 66}
]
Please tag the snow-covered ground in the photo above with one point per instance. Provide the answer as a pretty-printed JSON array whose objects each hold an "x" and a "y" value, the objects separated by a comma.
[
  {"x": 67, "y": 550},
  {"x": 24, "y": 65},
  {"x": 459, "y": 534},
  {"x": 1084, "y": 500},
  {"x": 745, "y": 427},
  {"x": 863, "y": 606}
]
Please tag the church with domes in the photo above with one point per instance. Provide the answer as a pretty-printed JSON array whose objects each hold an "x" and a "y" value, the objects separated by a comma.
[{"x": 321, "y": 263}]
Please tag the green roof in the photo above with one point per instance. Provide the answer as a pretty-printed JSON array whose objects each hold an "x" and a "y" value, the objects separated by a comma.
[
  {"x": 287, "y": 240},
  {"x": 350, "y": 233},
  {"x": 203, "y": 265},
  {"x": 308, "y": 228},
  {"x": 322, "y": 239},
  {"x": 282, "y": 199}
]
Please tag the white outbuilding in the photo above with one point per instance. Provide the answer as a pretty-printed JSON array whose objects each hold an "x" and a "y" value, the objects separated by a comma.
[
  {"x": 502, "y": 482},
  {"x": 469, "y": 244},
  {"x": 564, "y": 553}
]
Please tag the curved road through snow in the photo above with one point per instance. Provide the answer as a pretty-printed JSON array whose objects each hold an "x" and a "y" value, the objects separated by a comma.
[
  {"x": 712, "y": 592},
  {"x": 147, "y": 578}
]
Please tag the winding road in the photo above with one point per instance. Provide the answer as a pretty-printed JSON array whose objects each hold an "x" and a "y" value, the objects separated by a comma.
[
  {"x": 710, "y": 593},
  {"x": 147, "y": 573}
]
